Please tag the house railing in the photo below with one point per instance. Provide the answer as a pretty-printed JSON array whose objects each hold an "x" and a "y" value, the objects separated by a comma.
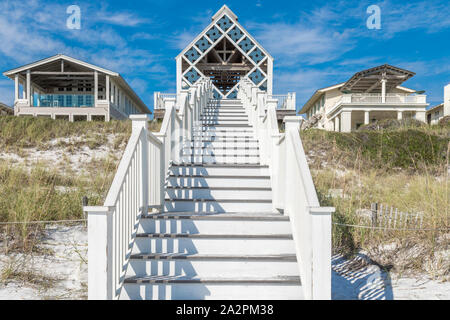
[
  {"x": 293, "y": 189},
  {"x": 378, "y": 98},
  {"x": 163, "y": 100},
  {"x": 285, "y": 101},
  {"x": 137, "y": 186}
]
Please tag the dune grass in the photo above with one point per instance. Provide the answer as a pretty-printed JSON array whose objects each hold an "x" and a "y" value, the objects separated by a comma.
[
  {"x": 406, "y": 168},
  {"x": 42, "y": 191}
]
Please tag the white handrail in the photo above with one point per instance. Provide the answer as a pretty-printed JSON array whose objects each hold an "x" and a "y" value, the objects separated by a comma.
[
  {"x": 137, "y": 185},
  {"x": 293, "y": 189}
]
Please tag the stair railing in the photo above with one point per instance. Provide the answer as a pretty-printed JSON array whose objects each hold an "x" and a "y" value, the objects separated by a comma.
[
  {"x": 293, "y": 189},
  {"x": 137, "y": 186}
]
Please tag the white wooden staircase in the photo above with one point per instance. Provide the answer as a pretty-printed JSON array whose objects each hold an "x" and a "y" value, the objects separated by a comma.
[
  {"x": 217, "y": 237},
  {"x": 218, "y": 205}
]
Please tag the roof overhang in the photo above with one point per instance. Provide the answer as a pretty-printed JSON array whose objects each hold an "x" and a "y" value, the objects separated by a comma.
[
  {"x": 317, "y": 95},
  {"x": 12, "y": 72},
  {"x": 370, "y": 80},
  {"x": 441, "y": 105},
  {"x": 114, "y": 75}
]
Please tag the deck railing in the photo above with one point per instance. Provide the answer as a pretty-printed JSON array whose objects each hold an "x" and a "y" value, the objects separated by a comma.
[
  {"x": 293, "y": 189},
  {"x": 137, "y": 186},
  {"x": 284, "y": 101},
  {"x": 162, "y": 100},
  {"x": 378, "y": 98}
]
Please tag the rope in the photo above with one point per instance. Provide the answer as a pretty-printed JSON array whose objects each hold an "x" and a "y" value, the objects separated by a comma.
[
  {"x": 388, "y": 228},
  {"x": 37, "y": 222}
]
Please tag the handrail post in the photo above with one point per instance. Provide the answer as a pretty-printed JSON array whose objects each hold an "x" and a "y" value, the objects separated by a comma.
[
  {"x": 321, "y": 252},
  {"x": 291, "y": 123},
  {"x": 100, "y": 252}
]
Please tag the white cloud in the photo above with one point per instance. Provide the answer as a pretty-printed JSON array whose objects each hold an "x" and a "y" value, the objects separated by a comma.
[
  {"x": 32, "y": 30},
  {"x": 124, "y": 19},
  {"x": 182, "y": 39}
]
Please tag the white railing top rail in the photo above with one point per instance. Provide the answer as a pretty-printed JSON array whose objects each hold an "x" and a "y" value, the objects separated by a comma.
[
  {"x": 125, "y": 162},
  {"x": 293, "y": 189}
]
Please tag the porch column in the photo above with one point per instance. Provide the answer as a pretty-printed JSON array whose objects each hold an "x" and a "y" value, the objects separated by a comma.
[
  {"x": 383, "y": 90},
  {"x": 420, "y": 115},
  {"x": 399, "y": 115},
  {"x": 346, "y": 119},
  {"x": 16, "y": 87},
  {"x": 107, "y": 89},
  {"x": 29, "y": 87},
  {"x": 336, "y": 123},
  {"x": 366, "y": 117},
  {"x": 95, "y": 87}
]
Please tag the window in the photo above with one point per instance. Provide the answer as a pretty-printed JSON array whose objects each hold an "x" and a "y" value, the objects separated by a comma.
[{"x": 89, "y": 101}]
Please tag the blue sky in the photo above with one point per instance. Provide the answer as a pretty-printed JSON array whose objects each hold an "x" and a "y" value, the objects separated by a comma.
[{"x": 315, "y": 43}]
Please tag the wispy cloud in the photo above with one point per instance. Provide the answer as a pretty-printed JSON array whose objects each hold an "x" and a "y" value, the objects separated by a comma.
[
  {"x": 124, "y": 19},
  {"x": 31, "y": 30},
  {"x": 181, "y": 39}
]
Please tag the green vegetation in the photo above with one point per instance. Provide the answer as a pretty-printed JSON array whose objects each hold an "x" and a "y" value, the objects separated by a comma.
[
  {"x": 27, "y": 132},
  {"x": 411, "y": 149},
  {"x": 406, "y": 168}
]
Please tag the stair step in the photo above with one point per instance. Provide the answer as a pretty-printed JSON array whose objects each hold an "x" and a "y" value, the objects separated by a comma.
[
  {"x": 218, "y": 205},
  {"x": 230, "y": 125},
  {"x": 209, "y": 151},
  {"x": 187, "y": 280},
  {"x": 212, "y": 265},
  {"x": 213, "y": 257},
  {"x": 213, "y": 180},
  {"x": 245, "y": 216},
  {"x": 241, "y": 245},
  {"x": 223, "y": 158},
  {"x": 224, "y": 193},
  {"x": 217, "y": 226},
  {"x": 188, "y": 288}
]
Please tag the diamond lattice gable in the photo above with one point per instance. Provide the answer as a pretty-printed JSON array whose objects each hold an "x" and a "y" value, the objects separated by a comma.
[{"x": 226, "y": 53}]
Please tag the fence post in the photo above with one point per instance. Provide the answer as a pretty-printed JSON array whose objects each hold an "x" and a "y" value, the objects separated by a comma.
[{"x": 374, "y": 214}]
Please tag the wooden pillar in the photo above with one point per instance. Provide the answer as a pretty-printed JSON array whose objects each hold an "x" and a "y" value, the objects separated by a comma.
[
  {"x": 28, "y": 96},
  {"x": 95, "y": 87},
  {"x": 16, "y": 87},
  {"x": 107, "y": 94},
  {"x": 346, "y": 121},
  {"x": 366, "y": 117}
]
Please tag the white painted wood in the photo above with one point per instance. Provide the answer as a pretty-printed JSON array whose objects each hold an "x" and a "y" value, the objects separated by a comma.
[
  {"x": 214, "y": 246},
  {"x": 212, "y": 268},
  {"x": 218, "y": 206},
  {"x": 294, "y": 192},
  {"x": 236, "y": 226},
  {"x": 215, "y": 292}
]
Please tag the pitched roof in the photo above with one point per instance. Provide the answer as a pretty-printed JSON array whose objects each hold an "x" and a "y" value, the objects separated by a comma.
[
  {"x": 56, "y": 57},
  {"x": 118, "y": 78},
  {"x": 217, "y": 16},
  {"x": 370, "y": 79}
]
